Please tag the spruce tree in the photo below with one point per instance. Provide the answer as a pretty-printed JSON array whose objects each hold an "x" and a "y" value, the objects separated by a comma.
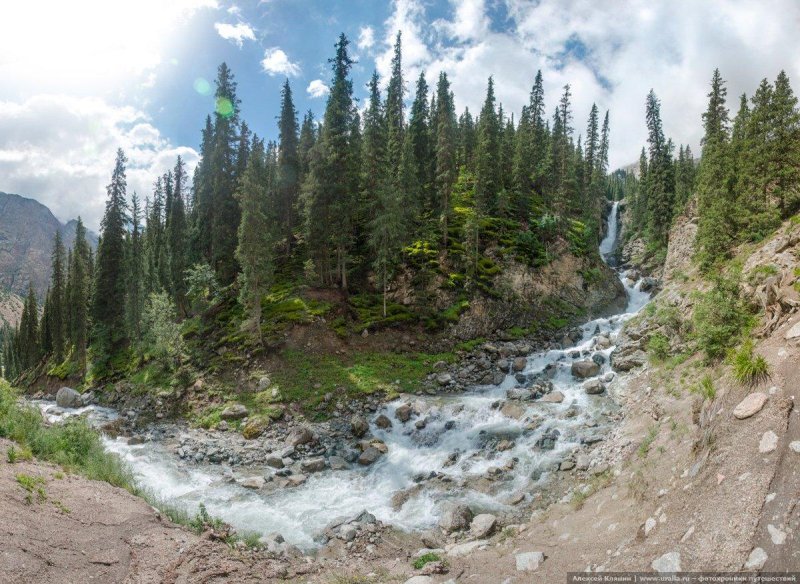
[
  {"x": 57, "y": 302},
  {"x": 289, "y": 166},
  {"x": 487, "y": 155},
  {"x": 135, "y": 269},
  {"x": 177, "y": 238},
  {"x": 419, "y": 133},
  {"x": 446, "y": 171},
  {"x": 79, "y": 294}
]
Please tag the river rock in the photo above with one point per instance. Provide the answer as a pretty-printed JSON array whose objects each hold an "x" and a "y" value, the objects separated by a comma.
[
  {"x": 529, "y": 561},
  {"x": 602, "y": 342},
  {"x": 628, "y": 361},
  {"x": 263, "y": 383},
  {"x": 668, "y": 563},
  {"x": 369, "y": 456},
  {"x": 234, "y": 412},
  {"x": 275, "y": 461},
  {"x": 593, "y": 387},
  {"x": 313, "y": 465},
  {"x": 519, "y": 393},
  {"x": 300, "y": 436},
  {"x": 520, "y": 363},
  {"x": 403, "y": 413},
  {"x": 419, "y": 580},
  {"x": 348, "y": 532},
  {"x": 383, "y": 422},
  {"x": 583, "y": 462},
  {"x": 296, "y": 480},
  {"x": 567, "y": 465},
  {"x": 483, "y": 525},
  {"x": 584, "y": 369},
  {"x": 68, "y": 398},
  {"x": 254, "y": 483},
  {"x": 444, "y": 379},
  {"x": 750, "y": 405},
  {"x": 358, "y": 426},
  {"x": 768, "y": 443},
  {"x": 255, "y": 428},
  {"x": 512, "y": 410},
  {"x": 338, "y": 463},
  {"x": 793, "y": 332},
  {"x": 504, "y": 365},
  {"x": 459, "y": 550},
  {"x": 649, "y": 284},
  {"x": 455, "y": 518},
  {"x": 555, "y": 397}
]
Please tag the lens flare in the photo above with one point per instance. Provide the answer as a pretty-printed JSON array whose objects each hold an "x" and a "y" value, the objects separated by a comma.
[
  {"x": 202, "y": 86},
  {"x": 224, "y": 107}
]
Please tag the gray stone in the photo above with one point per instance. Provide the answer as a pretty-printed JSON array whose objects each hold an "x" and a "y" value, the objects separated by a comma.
[
  {"x": 348, "y": 532},
  {"x": 750, "y": 405},
  {"x": 455, "y": 518},
  {"x": 756, "y": 560},
  {"x": 254, "y": 483},
  {"x": 337, "y": 463},
  {"x": 768, "y": 443},
  {"x": 358, "y": 426},
  {"x": 403, "y": 413},
  {"x": 296, "y": 480},
  {"x": 584, "y": 369},
  {"x": 583, "y": 461},
  {"x": 263, "y": 383},
  {"x": 628, "y": 361},
  {"x": 301, "y": 436},
  {"x": 519, "y": 393},
  {"x": 520, "y": 363},
  {"x": 777, "y": 536},
  {"x": 555, "y": 397},
  {"x": 275, "y": 461},
  {"x": 668, "y": 563},
  {"x": 444, "y": 379},
  {"x": 313, "y": 465},
  {"x": 419, "y": 580},
  {"x": 567, "y": 465},
  {"x": 68, "y": 398},
  {"x": 603, "y": 342},
  {"x": 793, "y": 332},
  {"x": 460, "y": 550},
  {"x": 234, "y": 412},
  {"x": 529, "y": 561},
  {"x": 593, "y": 387},
  {"x": 369, "y": 456},
  {"x": 383, "y": 422},
  {"x": 649, "y": 525},
  {"x": 483, "y": 525},
  {"x": 795, "y": 446}
]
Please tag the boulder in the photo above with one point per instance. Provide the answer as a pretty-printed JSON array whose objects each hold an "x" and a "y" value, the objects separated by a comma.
[
  {"x": 255, "y": 428},
  {"x": 455, "y": 518},
  {"x": 338, "y": 463},
  {"x": 583, "y": 462},
  {"x": 584, "y": 369},
  {"x": 768, "y": 443},
  {"x": 520, "y": 363},
  {"x": 369, "y": 456},
  {"x": 593, "y": 387},
  {"x": 602, "y": 342},
  {"x": 512, "y": 410},
  {"x": 444, "y": 379},
  {"x": 358, "y": 426},
  {"x": 649, "y": 284},
  {"x": 628, "y": 361},
  {"x": 68, "y": 398},
  {"x": 668, "y": 563},
  {"x": 459, "y": 550},
  {"x": 254, "y": 483},
  {"x": 313, "y": 465},
  {"x": 483, "y": 525},
  {"x": 301, "y": 436},
  {"x": 420, "y": 580},
  {"x": 793, "y": 333},
  {"x": 529, "y": 561},
  {"x": 296, "y": 480},
  {"x": 383, "y": 422},
  {"x": 555, "y": 397},
  {"x": 567, "y": 465},
  {"x": 750, "y": 405},
  {"x": 348, "y": 532},
  {"x": 403, "y": 413},
  {"x": 504, "y": 365},
  {"x": 275, "y": 461},
  {"x": 519, "y": 393},
  {"x": 756, "y": 560},
  {"x": 234, "y": 412}
]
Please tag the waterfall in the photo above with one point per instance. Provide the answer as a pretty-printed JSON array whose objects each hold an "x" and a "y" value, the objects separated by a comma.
[{"x": 610, "y": 240}]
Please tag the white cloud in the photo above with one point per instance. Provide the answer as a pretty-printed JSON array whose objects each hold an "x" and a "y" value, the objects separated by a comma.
[
  {"x": 317, "y": 88},
  {"x": 366, "y": 38},
  {"x": 237, "y": 33},
  {"x": 276, "y": 62},
  {"x": 60, "y": 151},
  {"x": 611, "y": 57}
]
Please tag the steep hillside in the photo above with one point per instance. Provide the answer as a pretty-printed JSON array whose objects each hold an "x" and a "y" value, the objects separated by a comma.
[
  {"x": 10, "y": 309},
  {"x": 27, "y": 229}
]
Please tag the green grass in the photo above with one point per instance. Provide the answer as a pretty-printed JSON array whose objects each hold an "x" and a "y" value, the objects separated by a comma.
[
  {"x": 658, "y": 346},
  {"x": 749, "y": 368},
  {"x": 33, "y": 486},
  {"x": 420, "y": 562},
  {"x": 644, "y": 447},
  {"x": 705, "y": 388}
]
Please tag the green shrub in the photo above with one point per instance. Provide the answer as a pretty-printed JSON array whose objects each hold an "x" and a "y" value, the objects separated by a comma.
[
  {"x": 748, "y": 368},
  {"x": 720, "y": 318},
  {"x": 658, "y": 346},
  {"x": 420, "y": 562},
  {"x": 705, "y": 388}
]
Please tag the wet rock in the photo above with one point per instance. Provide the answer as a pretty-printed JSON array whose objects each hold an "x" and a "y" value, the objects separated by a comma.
[
  {"x": 274, "y": 461},
  {"x": 750, "y": 405},
  {"x": 383, "y": 422},
  {"x": 584, "y": 369},
  {"x": 768, "y": 443},
  {"x": 649, "y": 284},
  {"x": 254, "y": 483},
  {"x": 756, "y": 560},
  {"x": 455, "y": 518},
  {"x": 567, "y": 465},
  {"x": 603, "y": 342},
  {"x": 301, "y": 436},
  {"x": 555, "y": 397},
  {"x": 547, "y": 441},
  {"x": 444, "y": 379},
  {"x": 669, "y": 562},
  {"x": 358, "y": 426},
  {"x": 338, "y": 463},
  {"x": 400, "y": 498},
  {"x": 504, "y": 445},
  {"x": 234, "y": 412},
  {"x": 369, "y": 456},
  {"x": 348, "y": 532},
  {"x": 512, "y": 410},
  {"x": 529, "y": 561},
  {"x": 313, "y": 465},
  {"x": 296, "y": 480},
  {"x": 599, "y": 358},
  {"x": 520, "y": 363},
  {"x": 504, "y": 365},
  {"x": 628, "y": 361},
  {"x": 483, "y": 525},
  {"x": 66, "y": 397},
  {"x": 519, "y": 393},
  {"x": 403, "y": 413},
  {"x": 593, "y": 387},
  {"x": 420, "y": 424}
]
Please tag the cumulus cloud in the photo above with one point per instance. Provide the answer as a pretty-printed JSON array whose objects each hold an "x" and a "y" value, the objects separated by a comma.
[
  {"x": 609, "y": 57},
  {"x": 317, "y": 88},
  {"x": 60, "y": 151},
  {"x": 276, "y": 62},
  {"x": 236, "y": 33},
  {"x": 366, "y": 38}
]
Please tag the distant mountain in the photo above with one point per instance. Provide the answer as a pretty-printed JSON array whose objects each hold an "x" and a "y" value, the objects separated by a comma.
[
  {"x": 10, "y": 309},
  {"x": 27, "y": 230}
]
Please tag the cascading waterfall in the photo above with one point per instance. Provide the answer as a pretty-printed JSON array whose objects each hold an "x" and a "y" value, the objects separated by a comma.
[{"x": 457, "y": 446}]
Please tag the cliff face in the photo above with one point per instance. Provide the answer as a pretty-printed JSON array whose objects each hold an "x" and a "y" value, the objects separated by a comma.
[{"x": 27, "y": 229}]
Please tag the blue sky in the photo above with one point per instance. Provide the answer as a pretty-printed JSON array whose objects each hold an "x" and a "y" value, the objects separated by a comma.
[{"x": 81, "y": 78}]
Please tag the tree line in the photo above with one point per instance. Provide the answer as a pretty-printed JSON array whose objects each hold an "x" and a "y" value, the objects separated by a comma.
[{"x": 347, "y": 202}]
